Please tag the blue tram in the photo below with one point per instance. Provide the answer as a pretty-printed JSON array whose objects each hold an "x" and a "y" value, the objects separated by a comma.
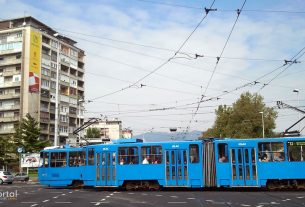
[{"x": 133, "y": 164}]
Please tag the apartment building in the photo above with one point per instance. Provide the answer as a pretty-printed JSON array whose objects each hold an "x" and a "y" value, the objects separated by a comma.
[
  {"x": 36, "y": 66},
  {"x": 109, "y": 129}
]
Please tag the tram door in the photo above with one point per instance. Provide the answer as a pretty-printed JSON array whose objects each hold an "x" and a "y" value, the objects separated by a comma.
[
  {"x": 243, "y": 162},
  {"x": 176, "y": 168},
  {"x": 105, "y": 168}
]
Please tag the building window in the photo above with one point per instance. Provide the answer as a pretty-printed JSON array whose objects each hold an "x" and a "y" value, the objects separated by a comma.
[
  {"x": 194, "y": 153},
  {"x": 296, "y": 151},
  {"x": 271, "y": 151},
  {"x": 128, "y": 155}
]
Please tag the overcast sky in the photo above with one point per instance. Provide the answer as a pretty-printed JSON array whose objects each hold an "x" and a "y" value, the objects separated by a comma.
[{"x": 125, "y": 40}]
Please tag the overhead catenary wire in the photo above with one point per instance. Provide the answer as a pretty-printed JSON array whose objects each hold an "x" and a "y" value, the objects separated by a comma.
[
  {"x": 217, "y": 63},
  {"x": 164, "y": 63},
  {"x": 222, "y": 10}
]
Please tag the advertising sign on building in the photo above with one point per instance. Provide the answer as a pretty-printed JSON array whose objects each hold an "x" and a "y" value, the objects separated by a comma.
[
  {"x": 35, "y": 60},
  {"x": 30, "y": 160}
]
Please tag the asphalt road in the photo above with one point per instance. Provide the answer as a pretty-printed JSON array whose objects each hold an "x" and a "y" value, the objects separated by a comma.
[{"x": 31, "y": 195}]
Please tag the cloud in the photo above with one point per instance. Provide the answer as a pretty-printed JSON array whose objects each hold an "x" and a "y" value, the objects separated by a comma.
[{"x": 273, "y": 36}]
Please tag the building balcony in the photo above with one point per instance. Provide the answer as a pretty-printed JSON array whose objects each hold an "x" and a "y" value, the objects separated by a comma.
[
  {"x": 81, "y": 78},
  {"x": 81, "y": 88},
  {"x": 44, "y": 120},
  {"x": 9, "y": 119},
  {"x": 44, "y": 109},
  {"x": 11, "y": 73},
  {"x": 12, "y": 107},
  {"x": 11, "y": 84},
  {"x": 64, "y": 134},
  {"x": 10, "y": 62},
  {"x": 10, "y": 96},
  {"x": 47, "y": 57},
  {"x": 72, "y": 115},
  {"x": 7, "y": 131},
  {"x": 44, "y": 131},
  {"x": 47, "y": 99}
]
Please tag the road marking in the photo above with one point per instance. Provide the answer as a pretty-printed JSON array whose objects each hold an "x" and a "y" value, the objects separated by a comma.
[
  {"x": 71, "y": 192},
  {"x": 209, "y": 200},
  {"x": 29, "y": 202},
  {"x": 177, "y": 202},
  {"x": 143, "y": 202},
  {"x": 144, "y": 194},
  {"x": 300, "y": 197},
  {"x": 63, "y": 202},
  {"x": 174, "y": 196},
  {"x": 103, "y": 199},
  {"x": 159, "y": 195},
  {"x": 63, "y": 194},
  {"x": 274, "y": 203},
  {"x": 111, "y": 194},
  {"x": 99, "y": 203},
  {"x": 245, "y": 205},
  {"x": 34, "y": 205},
  {"x": 45, "y": 201},
  {"x": 130, "y": 193},
  {"x": 191, "y": 198},
  {"x": 107, "y": 196},
  {"x": 55, "y": 197},
  {"x": 55, "y": 192}
]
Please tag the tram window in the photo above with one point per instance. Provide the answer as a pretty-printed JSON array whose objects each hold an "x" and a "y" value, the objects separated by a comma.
[
  {"x": 151, "y": 155},
  {"x": 44, "y": 159},
  {"x": 77, "y": 158},
  {"x": 91, "y": 157},
  {"x": 194, "y": 153},
  {"x": 58, "y": 159},
  {"x": 271, "y": 151},
  {"x": 296, "y": 151},
  {"x": 128, "y": 155},
  {"x": 223, "y": 153}
]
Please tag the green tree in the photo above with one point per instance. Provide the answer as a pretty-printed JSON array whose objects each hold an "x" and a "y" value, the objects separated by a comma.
[
  {"x": 93, "y": 133},
  {"x": 27, "y": 135},
  {"x": 243, "y": 119},
  {"x": 7, "y": 150}
]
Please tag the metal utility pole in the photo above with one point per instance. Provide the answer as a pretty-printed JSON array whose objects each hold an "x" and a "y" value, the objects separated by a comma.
[
  {"x": 56, "y": 95},
  {"x": 263, "y": 123},
  {"x": 298, "y": 91}
]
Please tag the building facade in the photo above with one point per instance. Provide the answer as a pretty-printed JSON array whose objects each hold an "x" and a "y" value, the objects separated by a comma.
[
  {"x": 109, "y": 130},
  {"x": 38, "y": 70}
]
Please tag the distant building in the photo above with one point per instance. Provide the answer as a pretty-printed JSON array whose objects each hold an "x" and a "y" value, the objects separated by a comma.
[
  {"x": 36, "y": 63},
  {"x": 127, "y": 133},
  {"x": 109, "y": 130}
]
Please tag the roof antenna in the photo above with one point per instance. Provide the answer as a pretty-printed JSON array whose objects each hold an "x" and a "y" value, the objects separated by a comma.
[{"x": 24, "y": 23}]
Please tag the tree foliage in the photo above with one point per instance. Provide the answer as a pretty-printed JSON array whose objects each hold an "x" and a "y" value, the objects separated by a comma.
[
  {"x": 243, "y": 119},
  {"x": 27, "y": 135},
  {"x": 93, "y": 133},
  {"x": 7, "y": 150}
]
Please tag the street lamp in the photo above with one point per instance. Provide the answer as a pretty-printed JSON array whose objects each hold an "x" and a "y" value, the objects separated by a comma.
[
  {"x": 263, "y": 123},
  {"x": 297, "y": 92}
]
